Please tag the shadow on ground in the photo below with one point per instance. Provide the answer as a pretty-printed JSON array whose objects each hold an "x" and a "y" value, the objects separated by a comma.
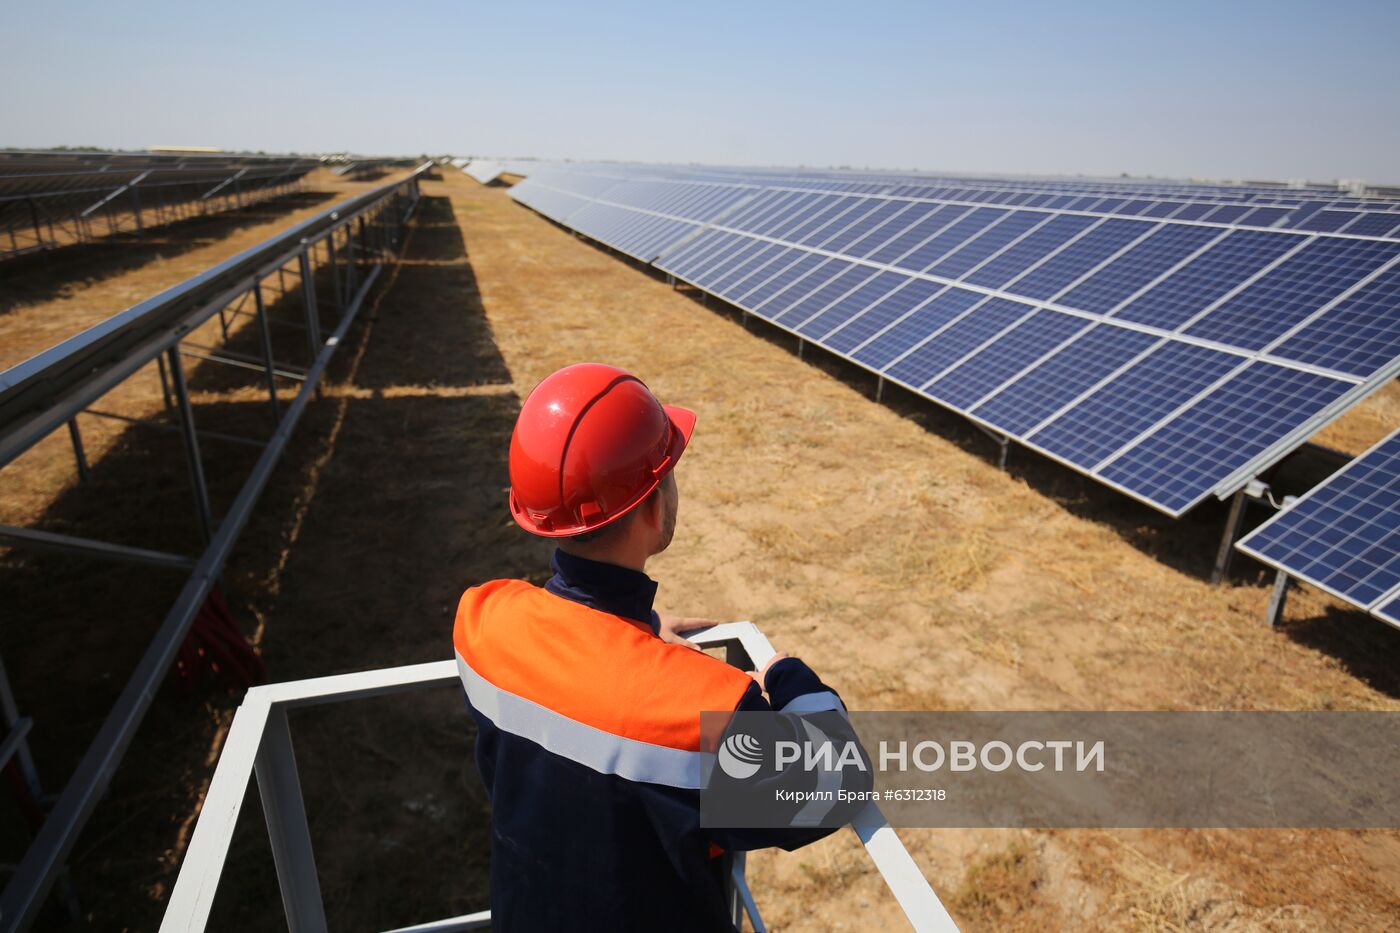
[
  {"x": 389, "y": 502},
  {"x": 41, "y": 276}
]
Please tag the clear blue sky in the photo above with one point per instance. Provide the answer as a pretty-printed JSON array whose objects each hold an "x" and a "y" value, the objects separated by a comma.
[{"x": 1221, "y": 89}]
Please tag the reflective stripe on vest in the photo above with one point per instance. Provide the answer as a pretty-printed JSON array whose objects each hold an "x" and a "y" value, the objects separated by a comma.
[{"x": 602, "y": 751}]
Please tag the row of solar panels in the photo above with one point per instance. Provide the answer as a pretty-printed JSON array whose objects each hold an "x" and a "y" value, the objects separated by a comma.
[
  {"x": 875, "y": 182},
  {"x": 23, "y": 180},
  {"x": 1168, "y": 359},
  {"x": 1369, "y": 218},
  {"x": 1344, "y": 535}
]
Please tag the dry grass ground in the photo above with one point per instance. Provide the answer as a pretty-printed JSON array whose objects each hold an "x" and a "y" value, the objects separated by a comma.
[{"x": 879, "y": 542}]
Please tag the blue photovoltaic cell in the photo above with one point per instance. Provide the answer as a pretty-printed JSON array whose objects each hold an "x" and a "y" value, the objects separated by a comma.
[
  {"x": 920, "y": 228},
  {"x": 1390, "y": 611},
  {"x": 1192, "y": 288},
  {"x": 1327, "y": 221},
  {"x": 1228, "y": 213},
  {"x": 1059, "y": 380},
  {"x": 824, "y": 272},
  {"x": 1193, "y": 212},
  {"x": 1264, "y": 216},
  {"x": 720, "y": 276},
  {"x": 1373, "y": 223},
  {"x": 791, "y": 213},
  {"x": 944, "y": 350},
  {"x": 904, "y": 219},
  {"x": 776, "y": 287},
  {"x": 1358, "y": 336},
  {"x": 959, "y": 232},
  {"x": 957, "y": 264},
  {"x": 851, "y": 305},
  {"x": 855, "y": 210},
  {"x": 1345, "y": 533},
  {"x": 1181, "y": 462},
  {"x": 971, "y": 380},
  {"x": 1133, "y": 401},
  {"x": 1030, "y": 249},
  {"x": 881, "y": 314},
  {"x": 1106, "y": 289},
  {"x": 761, "y": 209},
  {"x": 811, "y": 226},
  {"x": 865, "y": 225},
  {"x": 946, "y": 307},
  {"x": 767, "y": 261},
  {"x": 684, "y": 260},
  {"x": 781, "y": 262},
  {"x": 1059, "y": 272},
  {"x": 816, "y": 300},
  {"x": 1291, "y": 291}
]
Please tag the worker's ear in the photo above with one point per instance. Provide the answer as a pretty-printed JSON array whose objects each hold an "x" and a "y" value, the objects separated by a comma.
[{"x": 653, "y": 509}]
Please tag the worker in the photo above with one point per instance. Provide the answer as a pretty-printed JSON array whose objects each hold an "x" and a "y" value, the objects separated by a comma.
[{"x": 587, "y": 701}]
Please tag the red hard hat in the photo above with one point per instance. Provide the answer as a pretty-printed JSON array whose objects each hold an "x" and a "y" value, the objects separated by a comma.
[{"x": 591, "y": 442}]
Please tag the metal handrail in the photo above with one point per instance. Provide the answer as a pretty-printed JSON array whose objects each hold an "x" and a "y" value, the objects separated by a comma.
[{"x": 259, "y": 743}]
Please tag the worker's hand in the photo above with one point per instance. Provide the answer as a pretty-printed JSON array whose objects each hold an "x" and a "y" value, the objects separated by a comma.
[
  {"x": 761, "y": 677},
  {"x": 671, "y": 628}
]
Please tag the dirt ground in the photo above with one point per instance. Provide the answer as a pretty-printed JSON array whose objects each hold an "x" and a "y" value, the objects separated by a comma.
[{"x": 878, "y": 541}]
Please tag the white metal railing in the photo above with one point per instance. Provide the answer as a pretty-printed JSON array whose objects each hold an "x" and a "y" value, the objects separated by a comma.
[{"x": 259, "y": 742}]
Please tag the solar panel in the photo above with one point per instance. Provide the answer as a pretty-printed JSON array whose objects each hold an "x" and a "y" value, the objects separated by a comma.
[
  {"x": 1136, "y": 332},
  {"x": 1344, "y": 535}
]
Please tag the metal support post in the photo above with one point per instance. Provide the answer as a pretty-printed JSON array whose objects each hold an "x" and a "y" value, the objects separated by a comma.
[
  {"x": 187, "y": 429},
  {"x": 136, "y": 207},
  {"x": 280, "y": 789},
  {"x": 1227, "y": 538},
  {"x": 350, "y": 260},
  {"x": 335, "y": 272},
  {"x": 78, "y": 454},
  {"x": 164, "y": 383},
  {"x": 1277, "y": 599},
  {"x": 879, "y": 389},
  {"x": 801, "y": 348},
  {"x": 266, "y": 335},
  {"x": 1005, "y": 444},
  {"x": 308, "y": 294}
]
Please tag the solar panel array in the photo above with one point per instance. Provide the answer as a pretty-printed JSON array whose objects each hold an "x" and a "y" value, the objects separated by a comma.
[
  {"x": 1169, "y": 340},
  {"x": 1344, "y": 535},
  {"x": 51, "y": 198}
]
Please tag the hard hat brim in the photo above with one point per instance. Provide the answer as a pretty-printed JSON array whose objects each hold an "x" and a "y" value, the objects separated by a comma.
[{"x": 683, "y": 419}]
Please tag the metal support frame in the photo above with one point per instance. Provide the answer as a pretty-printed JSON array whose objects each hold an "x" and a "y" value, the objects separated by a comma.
[
  {"x": 265, "y": 339},
  {"x": 159, "y": 426},
  {"x": 1002, "y": 441},
  {"x": 191, "y": 438},
  {"x": 1278, "y": 598},
  {"x": 87, "y": 547},
  {"x": 259, "y": 742},
  {"x": 1227, "y": 538},
  {"x": 879, "y": 389},
  {"x": 78, "y": 455},
  {"x": 40, "y": 395}
]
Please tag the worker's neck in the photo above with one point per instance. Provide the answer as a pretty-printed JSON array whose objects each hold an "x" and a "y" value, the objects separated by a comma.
[{"x": 619, "y": 553}]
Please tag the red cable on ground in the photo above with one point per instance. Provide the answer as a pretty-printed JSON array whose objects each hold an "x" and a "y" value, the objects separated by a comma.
[{"x": 216, "y": 646}]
